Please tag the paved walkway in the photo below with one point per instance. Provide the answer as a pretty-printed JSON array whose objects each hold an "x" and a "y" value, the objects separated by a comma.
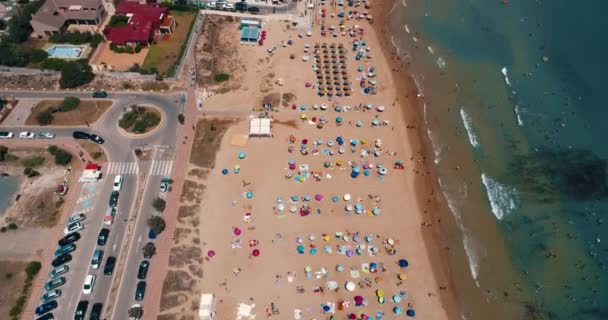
[{"x": 20, "y": 112}]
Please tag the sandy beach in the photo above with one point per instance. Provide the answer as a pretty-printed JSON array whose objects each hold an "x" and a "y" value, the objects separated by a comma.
[{"x": 286, "y": 228}]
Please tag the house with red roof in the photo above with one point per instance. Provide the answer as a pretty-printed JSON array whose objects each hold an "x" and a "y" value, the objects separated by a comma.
[{"x": 144, "y": 24}]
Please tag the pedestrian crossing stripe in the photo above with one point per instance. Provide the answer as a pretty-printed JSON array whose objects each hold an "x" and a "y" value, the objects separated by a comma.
[
  {"x": 123, "y": 168},
  {"x": 161, "y": 167}
]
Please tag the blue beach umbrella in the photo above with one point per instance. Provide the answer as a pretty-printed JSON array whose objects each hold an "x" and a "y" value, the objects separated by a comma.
[
  {"x": 303, "y": 107},
  {"x": 249, "y": 194},
  {"x": 375, "y": 122},
  {"x": 242, "y": 155},
  {"x": 335, "y": 199},
  {"x": 366, "y": 173},
  {"x": 359, "y": 123},
  {"x": 313, "y": 251},
  {"x": 410, "y": 313},
  {"x": 397, "y": 310},
  {"x": 339, "y": 119},
  {"x": 300, "y": 249},
  {"x": 396, "y": 299},
  {"x": 403, "y": 263},
  {"x": 225, "y": 171}
]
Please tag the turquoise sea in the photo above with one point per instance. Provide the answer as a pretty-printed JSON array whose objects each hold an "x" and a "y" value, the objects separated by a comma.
[
  {"x": 515, "y": 103},
  {"x": 8, "y": 187}
]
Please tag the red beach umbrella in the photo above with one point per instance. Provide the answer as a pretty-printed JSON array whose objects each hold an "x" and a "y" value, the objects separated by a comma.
[
  {"x": 236, "y": 231},
  {"x": 211, "y": 254},
  {"x": 255, "y": 252}
]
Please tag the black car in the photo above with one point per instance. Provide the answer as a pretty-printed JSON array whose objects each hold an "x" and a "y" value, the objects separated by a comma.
[
  {"x": 108, "y": 269},
  {"x": 48, "y": 316},
  {"x": 253, "y": 10},
  {"x": 240, "y": 6},
  {"x": 97, "y": 139},
  {"x": 113, "y": 199},
  {"x": 46, "y": 307},
  {"x": 62, "y": 259},
  {"x": 100, "y": 94},
  {"x": 96, "y": 311},
  {"x": 143, "y": 270},
  {"x": 140, "y": 291},
  {"x": 102, "y": 238},
  {"x": 81, "y": 310},
  {"x": 81, "y": 135},
  {"x": 72, "y": 237}
]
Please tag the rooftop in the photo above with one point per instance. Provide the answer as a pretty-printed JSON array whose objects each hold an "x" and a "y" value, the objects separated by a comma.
[{"x": 143, "y": 20}]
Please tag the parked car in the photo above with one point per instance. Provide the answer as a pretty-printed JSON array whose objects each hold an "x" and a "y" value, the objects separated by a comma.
[
  {"x": 46, "y": 307},
  {"x": 56, "y": 272},
  {"x": 228, "y": 6},
  {"x": 113, "y": 199},
  {"x": 96, "y": 311},
  {"x": 48, "y": 316},
  {"x": 81, "y": 310},
  {"x": 102, "y": 238},
  {"x": 6, "y": 135},
  {"x": 89, "y": 284},
  {"x": 71, "y": 237},
  {"x": 108, "y": 269},
  {"x": 151, "y": 234},
  {"x": 73, "y": 227},
  {"x": 61, "y": 260},
  {"x": 253, "y": 10},
  {"x": 81, "y": 135},
  {"x": 140, "y": 291},
  {"x": 96, "y": 260},
  {"x": 46, "y": 135},
  {"x": 76, "y": 218},
  {"x": 240, "y": 6},
  {"x": 97, "y": 139},
  {"x": 54, "y": 284},
  {"x": 164, "y": 186},
  {"x": 136, "y": 312},
  {"x": 65, "y": 249},
  {"x": 27, "y": 135},
  {"x": 117, "y": 183},
  {"x": 51, "y": 295},
  {"x": 100, "y": 94},
  {"x": 143, "y": 270}
]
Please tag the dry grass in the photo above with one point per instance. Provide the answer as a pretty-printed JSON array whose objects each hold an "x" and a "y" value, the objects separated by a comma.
[
  {"x": 88, "y": 112},
  {"x": 12, "y": 277},
  {"x": 154, "y": 86},
  {"x": 94, "y": 150},
  {"x": 207, "y": 140},
  {"x": 163, "y": 54},
  {"x": 192, "y": 192}
]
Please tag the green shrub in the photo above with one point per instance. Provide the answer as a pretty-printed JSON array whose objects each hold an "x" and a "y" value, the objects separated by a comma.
[
  {"x": 32, "y": 161},
  {"x": 3, "y": 152},
  {"x": 69, "y": 104},
  {"x": 12, "y": 226},
  {"x": 157, "y": 224},
  {"x": 45, "y": 117},
  {"x": 3, "y": 229},
  {"x": 75, "y": 73},
  {"x": 62, "y": 157},
  {"x": 11, "y": 157},
  {"x": 32, "y": 269},
  {"x": 96, "y": 155},
  {"x": 221, "y": 77},
  {"x": 52, "y": 64},
  {"x": 52, "y": 149},
  {"x": 37, "y": 55},
  {"x": 159, "y": 204},
  {"x": 118, "y": 20},
  {"x": 180, "y": 118},
  {"x": 18, "y": 307},
  {"x": 29, "y": 172}
]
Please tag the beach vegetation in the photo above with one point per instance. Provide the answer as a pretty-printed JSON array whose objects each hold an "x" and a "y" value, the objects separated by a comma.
[
  {"x": 45, "y": 117},
  {"x": 221, "y": 77},
  {"x": 3, "y": 152},
  {"x": 62, "y": 157},
  {"x": 31, "y": 270},
  {"x": 181, "y": 118},
  {"x": 75, "y": 74},
  {"x": 69, "y": 103},
  {"x": 13, "y": 226},
  {"x": 30, "y": 173},
  {"x": 52, "y": 149},
  {"x": 157, "y": 224},
  {"x": 32, "y": 162},
  {"x": 77, "y": 37},
  {"x": 159, "y": 204}
]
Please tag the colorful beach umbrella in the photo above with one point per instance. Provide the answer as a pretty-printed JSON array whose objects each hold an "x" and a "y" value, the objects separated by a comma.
[
  {"x": 255, "y": 252},
  {"x": 410, "y": 313},
  {"x": 242, "y": 155},
  {"x": 237, "y": 231},
  {"x": 403, "y": 263},
  {"x": 225, "y": 171},
  {"x": 211, "y": 254}
]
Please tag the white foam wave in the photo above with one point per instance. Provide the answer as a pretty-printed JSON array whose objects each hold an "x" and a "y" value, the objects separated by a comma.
[
  {"x": 418, "y": 85},
  {"x": 472, "y": 255},
  {"x": 520, "y": 122},
  {"x": 407, "y": 29},
  {"x": 468, "y": 125},
  {"x": 395, "y": 46},
  {"x": 503, "y": 199},
  {"x": 404, "y": 3},
  {"x": 431, "y": 50},
  {"x": 504, "y": 73}
]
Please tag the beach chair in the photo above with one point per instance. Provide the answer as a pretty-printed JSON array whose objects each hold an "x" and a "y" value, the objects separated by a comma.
[{"x": 274, "y": 309}]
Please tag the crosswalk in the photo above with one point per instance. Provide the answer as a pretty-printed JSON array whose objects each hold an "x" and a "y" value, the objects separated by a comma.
[
  {"x": 125, "y": 168},
  {"x": 156, "y": 167},
  {"x": 161, "y": 167}
]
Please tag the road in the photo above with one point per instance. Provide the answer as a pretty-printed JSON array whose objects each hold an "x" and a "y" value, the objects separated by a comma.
[{"x": 130, "y": 226}]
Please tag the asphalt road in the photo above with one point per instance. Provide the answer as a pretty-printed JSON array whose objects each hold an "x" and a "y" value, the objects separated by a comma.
[{"x": 119, "y": 148}]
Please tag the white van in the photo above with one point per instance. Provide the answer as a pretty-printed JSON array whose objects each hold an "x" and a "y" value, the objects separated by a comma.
[
  {"x": 89, "y": 284},
  {"x": 117, "y": 183}
]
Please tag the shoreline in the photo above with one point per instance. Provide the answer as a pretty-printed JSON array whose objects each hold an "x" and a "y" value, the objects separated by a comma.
[{"x": 435, "y": 240}]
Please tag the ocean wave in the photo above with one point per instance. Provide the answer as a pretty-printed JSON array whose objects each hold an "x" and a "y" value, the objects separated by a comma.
[
  {"x": 520, "y": 122},
  {"x": 504, "y": 73},
  {"x": 503, "y": 199},
  {"x": 407, "y": 29},
  {"x": 468, "y": 125},
  {"x": 440, "y": 63},
  {"x": 472, "y": 256},
  {"x": 418, "y": 84},
  {"x": 395, "y": 45},
  {"x": 431, "y": 50},
  {"x": 404, "y": 3}
]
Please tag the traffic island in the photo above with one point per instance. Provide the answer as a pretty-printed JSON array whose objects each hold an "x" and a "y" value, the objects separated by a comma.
[
  {"x": 71, "y": 111},
  {"x": 140, "y": 120}
]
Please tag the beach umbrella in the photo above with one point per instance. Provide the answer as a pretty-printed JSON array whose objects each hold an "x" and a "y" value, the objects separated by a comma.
[
  {"x": 326, "y": 308},
  {"x": 236, "y": 231},
  {"x": 339, "y": 119},
  {"x": 350, "y": 253},
  {"x": 380, "y": 293},
  {"x": 381, "y": 300},
  {"x": 376, "y": 211},
  {"x": 358, "y": 123},
  {"x": 354, "y": 142},
  {"x": 327, "y": 249},
  {"x": 248, "y": 194},
  {"x": 313, "y": 251},
  {"x": 225, "y": 171},
  {"x": 300, "y": 249},
  {"x": 255, "y": 252},
  {"x": 335, "y": 199},
  {"x": 339, "y": 268},
  {"x": 358, "y": 300},
  {"x": 346, "y": 197},
  {"x": 410, "y": 313},
  {"x": 211, "y": 254},
  {"x": 350, "y": 286},
  {"x": 281, "y": 207},
  {"x": 375, "y": 122},
  {"x": 397, "y": 310},
  {"x": 348, "y": 208},
  {"x": 396, "y": 299},
  {"x": 402, "y": 276},
  {"x": 352, "y": 316},
  {"x": 403, "y": 263},
  {"x": 242, "y": 155},
  {"x": 318, "y": 197},
  {"x": 382, "y": 171},
  {"x": 293, "y": 209}
]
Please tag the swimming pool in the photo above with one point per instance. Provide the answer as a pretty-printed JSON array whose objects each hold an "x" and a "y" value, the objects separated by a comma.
[{"x": 65, "y": 51}]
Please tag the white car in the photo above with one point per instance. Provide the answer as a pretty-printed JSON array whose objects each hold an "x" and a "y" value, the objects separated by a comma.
[
  {"x": 73, "y": 227},
  {"x": 76, "y": 218},
  {"x": 228, "y": 6},
  {"x": 6, "y": 135},
  {"x": 89, "y": 284},
  {"x": 27, "y": 135},
  {"x": 117, "y": 183},
  {"x": 46, "y": 135}
]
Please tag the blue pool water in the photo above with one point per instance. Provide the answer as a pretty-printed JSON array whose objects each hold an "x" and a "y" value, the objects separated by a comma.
[
  {"x": 65, "y": 51},
  {"x": 8, "y": 187}
]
